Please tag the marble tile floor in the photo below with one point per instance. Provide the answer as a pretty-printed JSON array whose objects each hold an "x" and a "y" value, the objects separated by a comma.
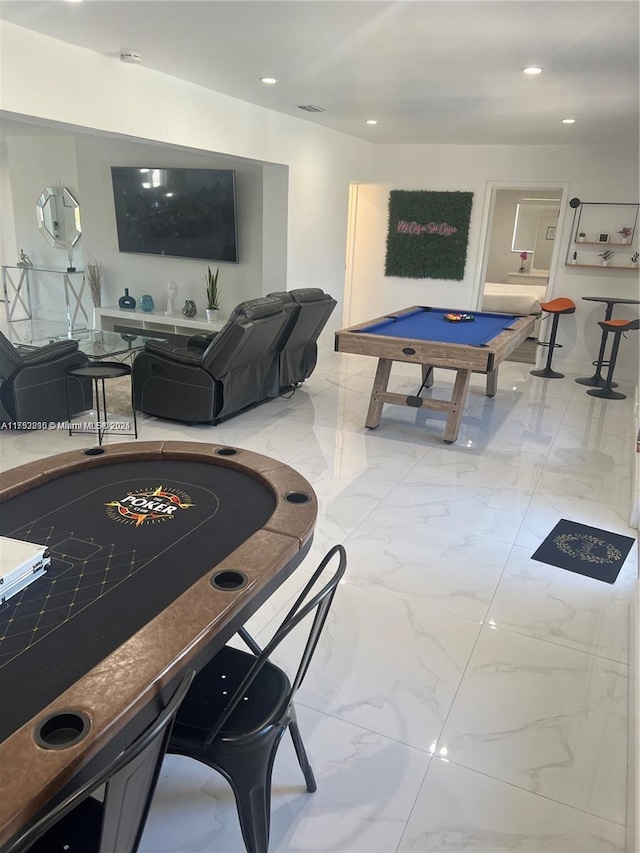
[{"x": 463, "y": 696}]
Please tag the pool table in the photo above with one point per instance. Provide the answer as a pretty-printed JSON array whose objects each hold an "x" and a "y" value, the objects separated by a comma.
[
  {"x": 422, "y": 335},
  {"x": 160, "y": 551}
]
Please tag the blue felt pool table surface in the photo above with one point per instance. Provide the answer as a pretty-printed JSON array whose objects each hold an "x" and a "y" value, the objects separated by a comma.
[{"x": 431, "y": 325}]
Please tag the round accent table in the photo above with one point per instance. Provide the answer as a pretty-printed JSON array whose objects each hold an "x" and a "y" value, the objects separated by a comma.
[
  {"x": 99, "y": 372},
  {"x": 597, "y": 380}
]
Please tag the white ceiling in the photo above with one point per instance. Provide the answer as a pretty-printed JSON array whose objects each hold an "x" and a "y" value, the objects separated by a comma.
[{"x": 429, "y": 72}]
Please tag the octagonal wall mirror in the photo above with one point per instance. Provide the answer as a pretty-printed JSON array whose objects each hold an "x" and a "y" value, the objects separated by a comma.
[{"x": 58, "y": 217}]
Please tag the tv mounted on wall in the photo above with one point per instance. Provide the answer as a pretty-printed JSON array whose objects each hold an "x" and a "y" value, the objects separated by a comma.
[{"x": 183, "y": 213}]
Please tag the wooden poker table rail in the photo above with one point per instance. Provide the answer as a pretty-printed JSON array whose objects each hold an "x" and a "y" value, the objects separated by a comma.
[{"x": 118, "y": 692}]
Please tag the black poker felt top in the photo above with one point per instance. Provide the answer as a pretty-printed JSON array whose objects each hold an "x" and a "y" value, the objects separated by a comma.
[{"x": 125, "y": 540}]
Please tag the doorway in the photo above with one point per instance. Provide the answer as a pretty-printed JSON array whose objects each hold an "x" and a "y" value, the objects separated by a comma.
[{"x": 519, "y": 254}]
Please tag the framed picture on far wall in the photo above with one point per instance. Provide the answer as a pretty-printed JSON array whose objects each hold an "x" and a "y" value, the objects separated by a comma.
[{"x": 603, "y": 237}]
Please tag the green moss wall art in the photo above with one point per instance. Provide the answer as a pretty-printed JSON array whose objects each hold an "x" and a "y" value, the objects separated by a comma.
[{"x": 428, "y": 234}]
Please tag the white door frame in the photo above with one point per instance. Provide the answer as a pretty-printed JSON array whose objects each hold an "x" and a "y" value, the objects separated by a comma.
[{"x": 352, "y": 213}]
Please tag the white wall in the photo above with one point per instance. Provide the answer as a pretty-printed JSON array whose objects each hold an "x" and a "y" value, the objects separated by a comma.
[
  {"x": 8, "y": 246},
  {"x": 36, "y": 162},
  {"x": 592, "y": 174},
  {"x": 99, "y": 92},
  {"x": 150, "y": 274},
  {"x": 82, "y": 163},
  {"x": 543, "y": 249}
]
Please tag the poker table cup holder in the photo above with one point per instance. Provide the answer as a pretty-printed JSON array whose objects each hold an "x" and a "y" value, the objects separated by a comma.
[
  {"x": 297, "y": 498},
  {"x": 229, "y": 580},
  {"x": 62, "y": 729}
]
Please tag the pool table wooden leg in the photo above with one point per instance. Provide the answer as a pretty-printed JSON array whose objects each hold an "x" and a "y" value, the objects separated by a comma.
[
  {"x": 380, "y": 384},
  {"x": 427, "y": 375},
  {"x": 492, "y": 382},
  {"x": 457, "y": 405}
]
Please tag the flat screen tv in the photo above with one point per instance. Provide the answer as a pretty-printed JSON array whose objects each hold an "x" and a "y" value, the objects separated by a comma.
[{"x": 184, "y": 213}]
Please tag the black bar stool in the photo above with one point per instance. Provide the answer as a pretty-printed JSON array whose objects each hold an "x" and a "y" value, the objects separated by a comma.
[
  {"x": 558, "y": 306},
  {"x": 617, "y": 328},
  {"x": 597, "y": 380}
]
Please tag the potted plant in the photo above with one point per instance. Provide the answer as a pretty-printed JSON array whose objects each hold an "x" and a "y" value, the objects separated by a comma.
[
  {"x": 523, "y": 258},
  {"x": 606, "y": 257},
  {"x": 625, "y": 233},
  {"x": 213, "y": 294},
  {"x": 581, "y": 237},
  {"x": 635, "y": 258}
]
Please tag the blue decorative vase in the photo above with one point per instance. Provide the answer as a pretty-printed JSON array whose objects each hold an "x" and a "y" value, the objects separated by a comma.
[
  {"x": 189, "y": 308},
  {"x": 127, "y": 301},
  {"x": 147, "y": 303}
]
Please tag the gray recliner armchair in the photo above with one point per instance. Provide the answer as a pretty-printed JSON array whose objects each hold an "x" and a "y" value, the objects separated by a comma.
[
  {"x": 33, "y": 385},
  {"x": 312, "y": 308},
  {"x": 214, "y": 377}
]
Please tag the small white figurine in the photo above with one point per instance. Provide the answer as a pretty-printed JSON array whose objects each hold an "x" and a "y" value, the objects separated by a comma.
[
  {"x": 172, "y": 289},
  {"x": 25, "y": 261}
]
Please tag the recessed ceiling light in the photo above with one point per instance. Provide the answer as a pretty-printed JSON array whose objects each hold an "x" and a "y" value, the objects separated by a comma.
[
  {"x": 268, "y": 81},
  {"x": 372, "y": 121},
  {"x": 532, "y": 70},
  {"x": 568, "y": 121}
]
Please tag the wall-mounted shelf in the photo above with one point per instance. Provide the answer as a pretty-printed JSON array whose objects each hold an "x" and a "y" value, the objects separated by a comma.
[
  {"x": 589, "y": 243},
  {"x": 606, "y": 219},
  {"x": 602, "y": 266}
]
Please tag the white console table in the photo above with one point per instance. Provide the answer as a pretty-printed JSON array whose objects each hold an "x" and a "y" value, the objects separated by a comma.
[{"x": 176, "y": 324}]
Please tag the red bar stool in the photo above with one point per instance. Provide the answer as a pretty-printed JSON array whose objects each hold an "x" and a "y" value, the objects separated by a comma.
[
  {"x": 617, "y": 328},
  {"x": 558, "y": 306}
]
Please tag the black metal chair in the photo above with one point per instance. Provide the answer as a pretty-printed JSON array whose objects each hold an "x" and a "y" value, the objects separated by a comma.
[
  {"x": 240, "y": 705},
  {"x": 84, "y": 824}
]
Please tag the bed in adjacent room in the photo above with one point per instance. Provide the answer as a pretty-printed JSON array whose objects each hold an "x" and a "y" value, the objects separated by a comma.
[{"x": 514, "y": 299}]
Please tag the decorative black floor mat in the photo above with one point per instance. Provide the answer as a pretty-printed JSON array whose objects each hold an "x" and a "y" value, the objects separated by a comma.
[{"x": 588, "y": 551}]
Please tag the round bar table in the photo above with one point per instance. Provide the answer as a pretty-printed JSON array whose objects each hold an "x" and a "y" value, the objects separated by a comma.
[{"x": 597, "y": 380}]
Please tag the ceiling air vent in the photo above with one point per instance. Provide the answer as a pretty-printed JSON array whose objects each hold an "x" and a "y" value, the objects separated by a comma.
[{"x": 309, "y": 108}]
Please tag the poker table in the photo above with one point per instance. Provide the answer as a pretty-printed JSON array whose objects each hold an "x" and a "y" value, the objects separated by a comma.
[
  {"x": 160, "y": 551},
  {"x": 423, "y": 335}
]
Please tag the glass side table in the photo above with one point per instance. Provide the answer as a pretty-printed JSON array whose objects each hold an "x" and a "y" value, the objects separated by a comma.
[{"x": 99, "y": 372}]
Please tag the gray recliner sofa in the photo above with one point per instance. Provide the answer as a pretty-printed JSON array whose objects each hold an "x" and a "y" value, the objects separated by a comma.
[
  {"x": 310, "y": 309},
  {"x": 33, "y": 383},
  {"x": 214, "y": 377}
]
